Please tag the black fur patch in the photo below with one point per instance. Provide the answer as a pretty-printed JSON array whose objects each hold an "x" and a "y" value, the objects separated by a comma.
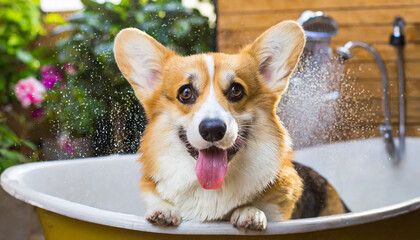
[
  {"x": 314, "y": 193},
  {"x": 347, "y": 209},
  {"x": 183, "y": 136}
]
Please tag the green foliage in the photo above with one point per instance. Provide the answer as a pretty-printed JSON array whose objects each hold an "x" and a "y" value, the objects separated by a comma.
[
  {"x": 103, "y": 95},
  {"x": 72, "y": 108},
  {"x": 9, "y": 142},
  {"x": 20, "y": 24}
]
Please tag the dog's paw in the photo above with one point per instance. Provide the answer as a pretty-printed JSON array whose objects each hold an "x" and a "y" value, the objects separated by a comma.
[
  {"x": 163, "y": 215},
  {"x": 249, "y": 218}
]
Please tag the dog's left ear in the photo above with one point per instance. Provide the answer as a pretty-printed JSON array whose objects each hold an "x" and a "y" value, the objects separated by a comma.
[
  {"x": 277, "y": 52},
  {"x": 140, "y": 59}
]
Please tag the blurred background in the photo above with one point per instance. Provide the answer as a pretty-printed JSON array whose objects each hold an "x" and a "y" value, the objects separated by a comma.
[{"x": 61, "y": 93}]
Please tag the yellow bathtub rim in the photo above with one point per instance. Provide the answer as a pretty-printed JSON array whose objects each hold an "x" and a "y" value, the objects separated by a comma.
[{"x": 12, "y": 180}]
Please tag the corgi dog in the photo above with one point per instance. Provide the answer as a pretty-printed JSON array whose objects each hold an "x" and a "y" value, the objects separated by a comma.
[{"x": 214, "y": 148}]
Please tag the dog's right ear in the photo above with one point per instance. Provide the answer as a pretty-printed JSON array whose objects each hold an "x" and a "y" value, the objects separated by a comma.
[
  {"x": 277, "y": 52},
  {"x": 140, "y": 59}
]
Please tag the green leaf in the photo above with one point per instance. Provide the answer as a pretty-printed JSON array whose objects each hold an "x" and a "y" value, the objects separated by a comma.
[
  {"x": 63, "y": 28},
  {"x": 29, "y": 144},
  {"x": 54, "y": 18},
  {"x": 13, "y": 156},
  {"x": 2, "y": 83},
  {"x": 24, "y": 56},
  {"x": 104, "y": 48}
]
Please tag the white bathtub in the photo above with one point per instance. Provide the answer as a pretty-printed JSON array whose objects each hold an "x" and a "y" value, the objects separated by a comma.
[{"x": 105, "y": 191}]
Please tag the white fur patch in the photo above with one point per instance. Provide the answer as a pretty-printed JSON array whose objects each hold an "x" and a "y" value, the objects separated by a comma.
[
  {"x": 271, "y": 210},
  {"x": 169, "y": 215},
  {"x": 249, "y": 217},
  {"x": 212, "y": 109}
]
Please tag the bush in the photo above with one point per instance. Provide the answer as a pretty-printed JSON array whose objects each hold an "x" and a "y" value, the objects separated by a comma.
[
  {"x": 97, "y": 101},
  {"x": 20, "y": 24},
  {"x": 10, "y": 144}
]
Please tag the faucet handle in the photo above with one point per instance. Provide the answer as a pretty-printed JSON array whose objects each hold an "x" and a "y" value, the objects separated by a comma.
[
  {"x": 386, "y": 131},
  {"x": 397, "y": 38}
]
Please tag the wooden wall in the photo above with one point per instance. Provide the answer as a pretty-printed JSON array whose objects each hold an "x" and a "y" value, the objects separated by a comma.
[{"x": 241, "y": 21}]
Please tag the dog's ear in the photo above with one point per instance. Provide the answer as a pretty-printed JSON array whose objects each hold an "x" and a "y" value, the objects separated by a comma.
[
  {"x": 277, "y": 52},
  {"x": 140, "y": 59}
]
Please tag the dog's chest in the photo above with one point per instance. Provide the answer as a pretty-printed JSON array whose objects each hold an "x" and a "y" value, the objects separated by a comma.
[
  {"x": 199, "y": 204},
  {"x": 178, "y": 184}
]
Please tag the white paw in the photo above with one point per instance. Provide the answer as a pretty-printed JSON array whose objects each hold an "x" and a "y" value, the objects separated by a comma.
[
  {"x": 249, "y": 218},
  {"x": 163, "y": 214}
]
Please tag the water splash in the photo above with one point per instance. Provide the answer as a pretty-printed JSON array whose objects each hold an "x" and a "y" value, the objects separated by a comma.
[{"x": 322, "y": 105}]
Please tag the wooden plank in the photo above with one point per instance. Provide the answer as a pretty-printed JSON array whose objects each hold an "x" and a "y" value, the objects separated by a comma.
[
  {"x": 388, "y": 53},
  {"x": 344, "y": 133},
  {"x": 353, "y": 126},
  {"x": 384, "y": 16},
  {"x": 367, "y": 111},
  {"x": 377, "y": 34},
  {"x": 374, "y": 34},
  {"x": 373, "y": 88},
  {"x": 369, "y": 70},
  {"x": 412, "y": 130},
  {"x": 241, "y": 6}
]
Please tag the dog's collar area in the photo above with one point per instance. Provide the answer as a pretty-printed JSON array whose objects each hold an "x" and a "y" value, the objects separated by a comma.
[{"x": 194, "y": 152}]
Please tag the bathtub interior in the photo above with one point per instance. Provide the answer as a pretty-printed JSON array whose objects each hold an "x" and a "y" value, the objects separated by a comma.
[
  {"x": 108, "y": 183},
  {"x": 360, "y": 171},
  {"x": 364, "y": 175}
]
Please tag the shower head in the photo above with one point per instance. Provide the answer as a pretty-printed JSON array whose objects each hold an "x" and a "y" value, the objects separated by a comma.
[{"x": 318, "y": 24}]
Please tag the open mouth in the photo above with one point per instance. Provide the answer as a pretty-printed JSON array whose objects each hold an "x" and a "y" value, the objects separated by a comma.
[
  {"x": 211, "y": 166},
  {"x": 194, "y": 152}
]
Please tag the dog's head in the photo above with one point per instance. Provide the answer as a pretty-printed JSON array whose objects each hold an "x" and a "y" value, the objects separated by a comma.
[{"x": 211, "y": 100}]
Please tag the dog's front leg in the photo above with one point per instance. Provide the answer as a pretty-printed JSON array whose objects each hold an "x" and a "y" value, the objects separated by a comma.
[
  {"x": 160, "y": 212},
  {"x": 249, "y": 217}
]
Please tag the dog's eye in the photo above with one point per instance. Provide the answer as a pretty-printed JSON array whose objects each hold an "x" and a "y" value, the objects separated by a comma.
[
  {"x": 186, "y": 94},
  {"x": 236, "y": 92}
]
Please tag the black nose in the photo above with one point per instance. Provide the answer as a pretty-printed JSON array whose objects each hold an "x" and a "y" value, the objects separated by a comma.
[{"x": 212, "y": 129}]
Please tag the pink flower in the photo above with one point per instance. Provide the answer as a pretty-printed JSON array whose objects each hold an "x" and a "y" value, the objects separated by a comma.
[
  {"x": 66, "y": 144},
  {"x": 50, "y": 75},
  {"x": 69, "y": 69},
  {"x": 29, "y": 91},
  {"x": 63, "y": 86}
]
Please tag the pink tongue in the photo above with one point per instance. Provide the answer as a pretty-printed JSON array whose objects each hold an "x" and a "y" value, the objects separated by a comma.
[{"x": 211, "y": 167}]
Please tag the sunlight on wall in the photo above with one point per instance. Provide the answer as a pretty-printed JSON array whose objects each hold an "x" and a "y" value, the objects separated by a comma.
[
  {"x": 205, "y": 7},
  {"x": 66, "y": 5}
]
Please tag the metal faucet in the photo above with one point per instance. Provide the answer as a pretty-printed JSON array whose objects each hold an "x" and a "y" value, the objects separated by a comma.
[
  {"x": 397, "y": 40},
  {"x": 385, "y": 129}
]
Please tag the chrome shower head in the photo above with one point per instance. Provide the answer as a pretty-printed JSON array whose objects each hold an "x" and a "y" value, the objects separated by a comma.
[{"x": 318, "y": 24}]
